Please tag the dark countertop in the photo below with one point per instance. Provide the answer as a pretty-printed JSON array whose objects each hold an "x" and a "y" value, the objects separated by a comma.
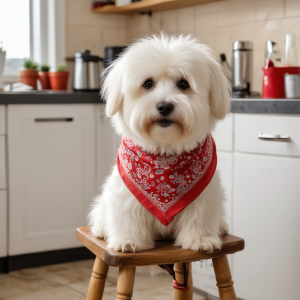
[
  {"x": 48, "y": 97},
  {"x": 242, "y": 105},
  {"x": 265, "y": 106}
]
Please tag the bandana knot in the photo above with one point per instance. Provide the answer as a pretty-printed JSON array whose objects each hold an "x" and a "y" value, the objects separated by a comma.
[{"x": 165, "y": 185}]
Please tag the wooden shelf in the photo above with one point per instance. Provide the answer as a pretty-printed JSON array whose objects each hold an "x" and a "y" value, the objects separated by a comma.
[{"x": 147, "y": 6}]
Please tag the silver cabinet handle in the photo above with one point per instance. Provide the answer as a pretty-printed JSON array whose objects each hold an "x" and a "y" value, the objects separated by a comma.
[
  {"x": 54, "y": 120},
  {"x": 274, "y": 137}
]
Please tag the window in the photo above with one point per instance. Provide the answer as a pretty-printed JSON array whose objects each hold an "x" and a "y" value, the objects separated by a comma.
[
  {"x": 14, "y": 33},
  {"x": 32, "y": 29}
]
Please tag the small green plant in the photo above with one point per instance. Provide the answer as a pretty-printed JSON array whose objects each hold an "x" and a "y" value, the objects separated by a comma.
[
  {"x": 30, "y": 64},
  {"x": 61, "y": 68},
  {"x": 45, "y": 68}
]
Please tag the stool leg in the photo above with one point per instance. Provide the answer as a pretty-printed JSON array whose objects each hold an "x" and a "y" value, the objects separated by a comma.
[
  {"x": 223, "y": 276},
  {"x": 179, "y": 274},
  {"x": 125, "y": 283},
  {"x": 97, "y": 281}
]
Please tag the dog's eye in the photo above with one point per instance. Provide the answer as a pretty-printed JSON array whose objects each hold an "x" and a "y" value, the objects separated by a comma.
[
  {"x": 148, "y": 84},
  {"x": 182, "y": 84}
]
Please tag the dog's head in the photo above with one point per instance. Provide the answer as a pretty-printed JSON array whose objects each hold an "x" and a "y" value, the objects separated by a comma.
[{"x": 166, "y": 93}]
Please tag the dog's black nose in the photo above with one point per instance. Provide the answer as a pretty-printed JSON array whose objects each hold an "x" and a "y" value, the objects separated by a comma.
[{"x": 164, "y": 108}]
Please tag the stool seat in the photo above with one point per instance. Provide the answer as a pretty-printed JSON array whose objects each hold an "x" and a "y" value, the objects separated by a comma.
[{"x": 163, "y": 253}]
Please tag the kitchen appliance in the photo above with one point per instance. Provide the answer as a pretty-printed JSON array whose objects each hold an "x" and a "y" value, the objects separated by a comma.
[
  {"x": 86, "y": 72},
  {"x": 242, "y": 65},
  {"x": 111, "y": 53},
  {"x": 292, "y": 85}
]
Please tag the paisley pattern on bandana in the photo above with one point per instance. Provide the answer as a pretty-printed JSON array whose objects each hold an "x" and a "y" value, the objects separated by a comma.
[{"x": 165, "y": 185}]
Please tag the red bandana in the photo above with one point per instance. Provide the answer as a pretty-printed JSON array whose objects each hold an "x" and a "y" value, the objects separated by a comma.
[{"x": 165, "y": 185}]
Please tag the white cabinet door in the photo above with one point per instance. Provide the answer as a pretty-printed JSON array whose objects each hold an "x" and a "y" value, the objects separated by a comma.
[
  {"x": 106, "y": 145},
  {"x": 3, "y": 224},
  {"x": 51, "y": 174},
  {"x": 266, "y": 214}
]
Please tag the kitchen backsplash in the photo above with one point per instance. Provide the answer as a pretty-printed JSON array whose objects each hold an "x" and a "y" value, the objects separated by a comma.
[{"x": 216, "y": 24}]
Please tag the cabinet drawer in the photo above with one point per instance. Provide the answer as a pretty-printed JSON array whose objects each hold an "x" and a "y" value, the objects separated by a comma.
[
  {"x": 3, "y": 224},
  {"x": 223, "y": 134},
  {"x": 2, "y": 119},
  {"x": 249, "y": 127},
  {"x": 2, "y": 163}
]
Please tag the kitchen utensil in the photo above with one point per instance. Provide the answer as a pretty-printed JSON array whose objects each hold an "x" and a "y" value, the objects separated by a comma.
[
  {"x": 292, "y": 85},
  {"x": 272, "y": 52},
  {"x": 242, "y": 65},
  {"x": 273, "y": 80},
  {"x": 290, "y": 50},
  {"x": 86, "y": 72}
]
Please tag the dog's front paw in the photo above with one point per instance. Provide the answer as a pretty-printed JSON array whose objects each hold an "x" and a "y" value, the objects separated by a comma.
[
  {"x": 125, "y": 246},
  {"x": 204, "y": 244},
  {"x": 97, "y": 231}
]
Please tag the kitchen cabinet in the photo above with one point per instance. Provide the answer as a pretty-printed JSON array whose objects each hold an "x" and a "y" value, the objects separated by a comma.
[
  {"x": 3, "y": 224},
  {"x": 248, "y": 127},
  {"x": 52, "y": 174},
  {"x": 266, "y": 214},
  {"x": 261, "y": 181}
]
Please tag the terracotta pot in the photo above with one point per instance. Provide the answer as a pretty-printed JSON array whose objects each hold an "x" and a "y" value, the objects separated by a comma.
[
  {"x": 29, "y": 77},
  {"x": 58, "y": 80},
  {"x": 44, "y": 80}
]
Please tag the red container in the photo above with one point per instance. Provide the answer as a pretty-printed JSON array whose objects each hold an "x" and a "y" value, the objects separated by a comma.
[
  {"x": 273, "y": 80},
  {"x": 59, "y": 80}
]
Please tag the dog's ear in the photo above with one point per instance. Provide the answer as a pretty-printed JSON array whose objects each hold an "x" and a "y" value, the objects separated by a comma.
[
  {"x": 219, "y": 91},
  {"x": 112, "y": 87}
]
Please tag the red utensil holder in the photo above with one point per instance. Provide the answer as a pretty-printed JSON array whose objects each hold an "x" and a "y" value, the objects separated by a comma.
[{"x": 273, "y": 81}]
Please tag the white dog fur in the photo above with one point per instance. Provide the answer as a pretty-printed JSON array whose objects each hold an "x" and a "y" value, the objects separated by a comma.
[{"x": 116, "y": 215}]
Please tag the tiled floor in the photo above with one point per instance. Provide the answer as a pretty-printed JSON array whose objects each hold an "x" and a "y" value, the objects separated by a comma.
[{"x": 70, "y": 281}]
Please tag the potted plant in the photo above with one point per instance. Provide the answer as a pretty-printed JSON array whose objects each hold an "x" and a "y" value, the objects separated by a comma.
[
  {"x": 44, "y": 77},
  {"x": 29, "y": 76},
  {"x": 2, "y": 62},
  {"x": 59, "y": 79}
]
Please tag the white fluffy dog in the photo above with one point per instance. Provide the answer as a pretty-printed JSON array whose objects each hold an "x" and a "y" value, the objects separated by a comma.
[{"x": 181, "y": 74}]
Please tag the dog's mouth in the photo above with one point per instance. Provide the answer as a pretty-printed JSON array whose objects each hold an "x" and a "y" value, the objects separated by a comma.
[{"x": 164, "y": 122}]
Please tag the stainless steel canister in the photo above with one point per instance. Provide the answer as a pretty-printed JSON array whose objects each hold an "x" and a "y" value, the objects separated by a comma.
[
  {"x": 86, "y": 72},
  {"x": 292, "y": 85},
  {"x": 242, "y": 66}
]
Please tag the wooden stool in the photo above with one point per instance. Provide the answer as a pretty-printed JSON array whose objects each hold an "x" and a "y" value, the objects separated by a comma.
[{"x": 163, "y": 253}]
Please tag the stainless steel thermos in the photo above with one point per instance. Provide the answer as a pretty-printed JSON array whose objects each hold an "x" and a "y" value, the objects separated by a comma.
[{"x": 242, "y": 67}]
